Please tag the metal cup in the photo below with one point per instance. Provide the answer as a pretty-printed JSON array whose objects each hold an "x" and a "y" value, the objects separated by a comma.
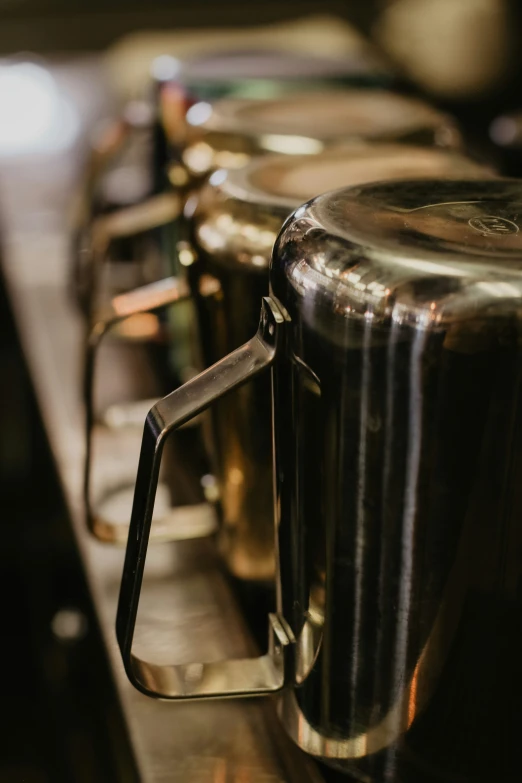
[{"x": 393, "y": 331}]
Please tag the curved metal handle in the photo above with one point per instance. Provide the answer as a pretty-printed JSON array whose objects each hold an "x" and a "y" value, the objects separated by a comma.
[
  {"x": 79, "y": 277},
  {"x": 253, "y": 676},
  {"x": 142, "y": 300},
  {"x": 154, "y": 212}
]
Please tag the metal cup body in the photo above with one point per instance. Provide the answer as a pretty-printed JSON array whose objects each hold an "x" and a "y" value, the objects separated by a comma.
[
  {"x": 238, "y": 429},
  {"x": 398, "y": 449}
]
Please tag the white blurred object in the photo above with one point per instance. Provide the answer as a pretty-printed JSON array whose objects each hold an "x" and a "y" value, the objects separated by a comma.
[
  {"x": 69, "y": 625},
  {"x": 165, "y": 67},
  {"x": 34, "y": 117},
  {"x": 451, "y": 47},
  {"x": 199, "y": 113}
]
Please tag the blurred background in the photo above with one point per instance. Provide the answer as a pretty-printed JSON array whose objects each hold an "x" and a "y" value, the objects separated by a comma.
[{"x": 66, "y": 67}]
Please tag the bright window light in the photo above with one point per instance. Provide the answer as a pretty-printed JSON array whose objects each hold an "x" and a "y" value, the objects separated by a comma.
[{"x": 34, "y": 117}]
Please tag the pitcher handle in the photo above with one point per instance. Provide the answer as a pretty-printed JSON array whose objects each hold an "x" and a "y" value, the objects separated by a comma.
[
  {"x": 146, "y": 299},
  {"x": 247, "y": 677},
  {"x": 153, "y": 212}
]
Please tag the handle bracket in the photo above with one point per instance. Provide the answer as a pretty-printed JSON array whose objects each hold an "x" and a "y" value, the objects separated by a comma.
[{"x": 247, "y": 677}]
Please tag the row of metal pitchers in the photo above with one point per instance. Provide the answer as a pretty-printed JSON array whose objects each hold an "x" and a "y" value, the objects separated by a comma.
[
  {"x": 392, "y": 328},
  {"x": 390, "y": 317},
  {"x": 200, "y": 228},
  {"x": 130, "y": 226}
]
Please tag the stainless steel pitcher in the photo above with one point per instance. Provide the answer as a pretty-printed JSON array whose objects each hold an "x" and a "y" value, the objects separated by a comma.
[{"x": 393, "y": 330}]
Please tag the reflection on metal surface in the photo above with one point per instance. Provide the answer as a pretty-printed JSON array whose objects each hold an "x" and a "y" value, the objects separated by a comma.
[
  {"x": 308, "y": 122},
  {"x": 200, "y": 158},
  {"x": 291, "y": 145},
  {"x": 295, "y": 180},
  {"x": 178, "y": 176},
  {"x": 199, "y": 113},
  {"x": 186, "y": 254},
  {"x": 310, "y": 639},
  {"x": 135, "y": 219},
  {"x": 149, "y": 297},
  {"x": 165, "y": 67},
  {"x": 220, "y": 679},
  {"x": 327, "y": 115},
  {"x": 143, "y": 326}
]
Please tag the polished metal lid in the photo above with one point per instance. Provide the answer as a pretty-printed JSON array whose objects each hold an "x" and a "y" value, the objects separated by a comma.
[
  {"x": 326, "y": 115},
  {"x": 240, "y": 212},
  {"x": 422, "y": 252},
  {"x": 231, "y": 131}
]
